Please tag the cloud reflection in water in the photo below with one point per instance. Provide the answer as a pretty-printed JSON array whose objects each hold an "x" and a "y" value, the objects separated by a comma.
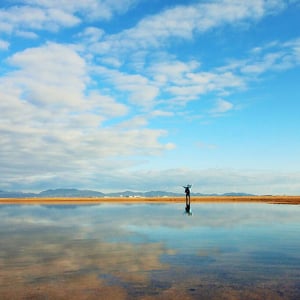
[{"x": 148, "y": 251}]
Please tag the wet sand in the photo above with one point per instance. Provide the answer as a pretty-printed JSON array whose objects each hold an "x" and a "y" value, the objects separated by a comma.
[{"x": 205, "y": 199}]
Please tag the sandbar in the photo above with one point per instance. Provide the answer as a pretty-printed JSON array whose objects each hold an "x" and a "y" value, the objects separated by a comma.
[{"x": 115, "y": 200}]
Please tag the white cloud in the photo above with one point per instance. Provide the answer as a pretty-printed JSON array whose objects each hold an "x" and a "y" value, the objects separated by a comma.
[
  {"x": 184, "y": 22},
  {"x": 90, "y": 9},
  {"x": 4, "y": 45},
  {"x": 293, "y": 51},
  {"x": 105, "y": 105},
  {"x": 173, "y": 71},
  {"x": 203, "y": 180},
  {"x": 268, "y": 62},
  {"x": 173, "y": 79},
  {"x": 26, "y": 34},
  {"x": 142, "y": 92},
  {"x": 59, "y": 112},
  {"x": 51, "y": 15},
  {"x": 195, "y": 84},
  {"x": 168, "y": 80},
  {"x": 221, "y": 107},
  {"x": 274, "y": 56},
  {"x": 52, "y": 118},
  {"x": 26, "y": 17},
  {"x": 52, "y": 75},
  {"x": 176, "y": 22},
  {"x": 161, "y": 113},
  {"x": 91, "y": 34}
]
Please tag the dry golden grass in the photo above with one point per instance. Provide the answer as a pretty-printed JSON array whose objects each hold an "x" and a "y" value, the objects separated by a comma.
[{"x": 204, "y": 199}]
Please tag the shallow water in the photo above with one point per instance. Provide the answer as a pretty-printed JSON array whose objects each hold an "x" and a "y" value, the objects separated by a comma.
[{"x": 150, "y": 251}]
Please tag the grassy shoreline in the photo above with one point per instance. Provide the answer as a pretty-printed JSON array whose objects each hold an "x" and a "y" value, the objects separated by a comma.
[{"x": 204, "y": 199}]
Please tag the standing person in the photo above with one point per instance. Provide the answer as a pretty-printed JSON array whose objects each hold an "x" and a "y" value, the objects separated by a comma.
[{"x": 187, "y": 198}]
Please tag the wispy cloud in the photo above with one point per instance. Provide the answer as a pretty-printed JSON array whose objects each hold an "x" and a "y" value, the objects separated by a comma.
[
  {"x": 185, "y": 21},
  {"x": 275, "y": 56},
  {"x": 221, "y": 107}
]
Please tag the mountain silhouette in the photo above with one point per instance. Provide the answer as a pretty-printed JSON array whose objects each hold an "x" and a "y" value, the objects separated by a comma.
[{"x": 72, "y": 192}]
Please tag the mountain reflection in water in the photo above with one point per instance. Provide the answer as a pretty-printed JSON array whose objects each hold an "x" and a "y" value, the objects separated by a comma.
[{"x": 143, "y": 251}]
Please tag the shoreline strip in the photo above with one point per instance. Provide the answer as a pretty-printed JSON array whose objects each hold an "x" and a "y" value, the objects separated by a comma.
[{"x": 205, "y": 199}]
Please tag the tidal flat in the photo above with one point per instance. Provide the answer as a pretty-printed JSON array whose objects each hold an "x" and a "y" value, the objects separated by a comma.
[{"x": 149, "y": 250}]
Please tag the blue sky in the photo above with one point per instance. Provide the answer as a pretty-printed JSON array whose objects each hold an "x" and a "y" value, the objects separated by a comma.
[{"x": 149, "y": 95}]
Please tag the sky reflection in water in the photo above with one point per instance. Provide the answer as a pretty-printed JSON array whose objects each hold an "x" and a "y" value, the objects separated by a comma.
[{"x": 143, "y": 251}]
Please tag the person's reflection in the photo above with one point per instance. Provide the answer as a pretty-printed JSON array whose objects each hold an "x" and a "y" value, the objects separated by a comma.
[
  {"x": 188, "y": 210},
  {"x": 187, "y": 199}
]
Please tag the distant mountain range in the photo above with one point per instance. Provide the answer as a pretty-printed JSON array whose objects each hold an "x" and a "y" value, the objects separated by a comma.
[{"x": 89, "y": 194}]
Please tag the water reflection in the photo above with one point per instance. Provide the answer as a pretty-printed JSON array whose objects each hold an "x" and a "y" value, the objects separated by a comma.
[
  {"x": 229, "y": 251},
  {"x": 188, "y": 210}
]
